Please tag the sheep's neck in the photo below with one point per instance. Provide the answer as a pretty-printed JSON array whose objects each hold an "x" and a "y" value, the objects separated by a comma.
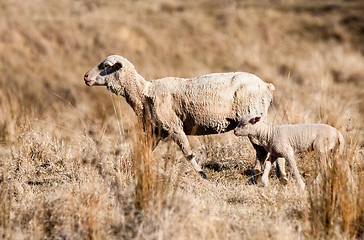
[
  {"x": 134, "y": 93},
  {"x": 264, "y": 134}
]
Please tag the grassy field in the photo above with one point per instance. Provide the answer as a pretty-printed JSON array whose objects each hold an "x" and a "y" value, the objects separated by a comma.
[{"x": 73, "y": 164}]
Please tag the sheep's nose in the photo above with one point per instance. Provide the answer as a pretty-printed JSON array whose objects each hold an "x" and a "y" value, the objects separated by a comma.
[{"x": 86, "y": 77}]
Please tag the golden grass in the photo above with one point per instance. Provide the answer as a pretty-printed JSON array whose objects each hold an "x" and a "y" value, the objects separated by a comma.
[
  {"x": 335, "y": 205},
  {"x": 74, "y": 164}
]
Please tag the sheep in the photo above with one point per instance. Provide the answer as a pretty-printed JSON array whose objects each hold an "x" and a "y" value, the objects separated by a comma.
[
  {"x": 176, "y": 107},
  {"x": 283, "y": 141}
]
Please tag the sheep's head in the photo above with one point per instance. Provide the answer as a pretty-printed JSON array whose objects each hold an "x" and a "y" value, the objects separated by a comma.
[
  {"x": 113, "y": 68},
  {"x": 247, "y": 124}
]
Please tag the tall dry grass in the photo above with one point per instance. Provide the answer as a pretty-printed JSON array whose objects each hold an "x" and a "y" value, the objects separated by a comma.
[
  {"x": 74, "y": 164},
  {"x": 335, "y": 205}
]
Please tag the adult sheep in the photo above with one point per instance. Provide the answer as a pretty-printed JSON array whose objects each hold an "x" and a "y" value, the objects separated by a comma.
[{"x": 209, "y": 104}]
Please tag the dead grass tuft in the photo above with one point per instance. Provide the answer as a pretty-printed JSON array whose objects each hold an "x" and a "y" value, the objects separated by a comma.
[{"x": 335, "y": 200}]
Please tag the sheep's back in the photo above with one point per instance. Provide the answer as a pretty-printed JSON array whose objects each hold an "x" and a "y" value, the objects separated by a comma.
[
  {"x": 214, "y": 101},
  {"x": 215, "y": 94}
]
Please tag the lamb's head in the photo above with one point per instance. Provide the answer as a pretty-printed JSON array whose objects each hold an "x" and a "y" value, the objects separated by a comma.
[
  {"x": 113, "y": 70},
  {"x": 246, "y": 126}
]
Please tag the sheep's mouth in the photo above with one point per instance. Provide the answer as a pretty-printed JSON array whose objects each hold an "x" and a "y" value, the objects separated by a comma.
[{"x": 89, "y": 83}]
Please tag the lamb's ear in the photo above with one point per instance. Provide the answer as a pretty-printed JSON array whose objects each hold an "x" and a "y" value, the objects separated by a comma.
[
  {"x": 271, "y": 87},
  {"x": 256, "y": 119}
]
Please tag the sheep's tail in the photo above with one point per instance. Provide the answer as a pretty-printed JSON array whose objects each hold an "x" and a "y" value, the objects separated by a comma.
[{"x": 341, "y": 143}]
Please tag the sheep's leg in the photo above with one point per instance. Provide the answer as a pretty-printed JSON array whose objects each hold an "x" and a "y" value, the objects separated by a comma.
[
  {"x": 181, "y": 139},
  {"x": 280, "y": 171},
  {"x": 293, "y": 166}
]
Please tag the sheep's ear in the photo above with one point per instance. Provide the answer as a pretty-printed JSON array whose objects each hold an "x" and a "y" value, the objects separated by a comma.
[
  {"x": 118, "y": 65},
  {"x": 254, "y": 120}
]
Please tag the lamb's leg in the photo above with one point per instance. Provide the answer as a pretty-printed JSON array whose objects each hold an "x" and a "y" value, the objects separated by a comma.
[
  {"x": 155, "y": 143},
  {"x": 322, "y": 157},
  {"x": 261, "y": 156},
  {"x": 322, "y": 161},
  {"x": 181, "y": 139},
  {"x": 280, "y": 171},
  {"x": 267, "y": 167},
  {"x": 256, "y": 171},
  {"x": 293, "y": 167}
]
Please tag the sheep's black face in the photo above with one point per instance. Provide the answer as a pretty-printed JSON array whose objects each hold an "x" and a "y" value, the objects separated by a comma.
[
  {"x": 96, "y": 76},
  {"x": 100, "y": 74}
]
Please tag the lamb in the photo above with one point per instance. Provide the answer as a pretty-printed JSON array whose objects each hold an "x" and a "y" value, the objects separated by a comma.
[
  {"x": 283, "y": 141},
  {"x": 176, "y": 107}
]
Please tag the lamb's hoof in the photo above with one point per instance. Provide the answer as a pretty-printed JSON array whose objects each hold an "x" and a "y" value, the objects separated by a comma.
[
  {"x": 265, "y": 183},
  {"x": 251, "y": 181},
  {"x": 203, "y": 175},
  {"x": 283, "y": 180}
]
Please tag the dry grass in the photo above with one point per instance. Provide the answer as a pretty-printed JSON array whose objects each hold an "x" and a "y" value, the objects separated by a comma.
[{"x": 73, "y": 164}]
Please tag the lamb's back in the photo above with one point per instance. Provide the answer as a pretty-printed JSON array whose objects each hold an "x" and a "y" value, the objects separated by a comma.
[
  {"x": 289, "y": 137},
  {"x": 303, "y": 136}
]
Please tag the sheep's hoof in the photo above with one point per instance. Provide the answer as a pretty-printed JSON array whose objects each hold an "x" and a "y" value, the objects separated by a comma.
[{"x": 203, "y": 175}]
